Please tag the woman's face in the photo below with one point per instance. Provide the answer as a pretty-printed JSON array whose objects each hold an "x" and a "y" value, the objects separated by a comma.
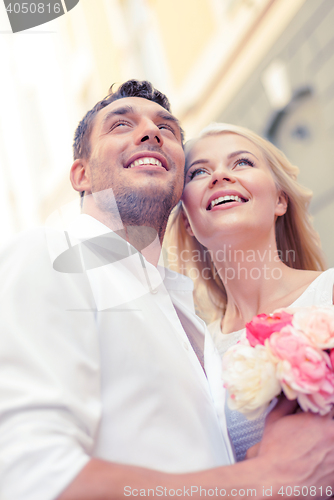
[{"x": 229, "y": 189}]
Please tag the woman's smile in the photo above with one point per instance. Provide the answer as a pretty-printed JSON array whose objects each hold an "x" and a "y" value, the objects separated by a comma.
[{"x": 221, "y": 200}]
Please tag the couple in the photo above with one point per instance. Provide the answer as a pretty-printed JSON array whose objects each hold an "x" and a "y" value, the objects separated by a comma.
[{"x": 110, "y": 389}]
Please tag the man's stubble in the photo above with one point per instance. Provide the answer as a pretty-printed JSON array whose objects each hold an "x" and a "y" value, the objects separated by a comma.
[{"x": 148, "y": 206}]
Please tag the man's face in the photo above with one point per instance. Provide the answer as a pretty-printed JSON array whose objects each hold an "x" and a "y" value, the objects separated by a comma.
[{"x": 136, "y": 150}]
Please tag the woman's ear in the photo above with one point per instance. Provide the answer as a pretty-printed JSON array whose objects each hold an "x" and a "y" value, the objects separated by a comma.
[
  {"x": 79, "y": 176},
  {"x": 186, "y": 223},
  {"x": 282, "y": 203}
]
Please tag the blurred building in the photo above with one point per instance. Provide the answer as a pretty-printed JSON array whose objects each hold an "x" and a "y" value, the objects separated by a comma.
[
  {"x": 265, "y": 64},
  {"x": 288, "y": 97},
  {"x": 300, "y": 69}
]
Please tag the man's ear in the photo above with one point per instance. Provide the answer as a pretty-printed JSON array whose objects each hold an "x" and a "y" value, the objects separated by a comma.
[
  {"x": 79, "y": 176},
  {"x": 186, "y": 223},
  {"x": 282, "y": 203}
]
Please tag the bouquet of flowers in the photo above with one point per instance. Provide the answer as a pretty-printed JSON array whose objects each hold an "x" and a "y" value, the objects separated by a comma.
[{"x": 293, "y": 353}]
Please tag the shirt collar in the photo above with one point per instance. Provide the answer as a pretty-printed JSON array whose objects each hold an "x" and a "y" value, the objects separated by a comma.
[{"x": 85, "y": 227}]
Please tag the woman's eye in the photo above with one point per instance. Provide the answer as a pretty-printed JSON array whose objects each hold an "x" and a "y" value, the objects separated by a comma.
[
  {"x": 244, "y": 162},
  {"x": 196, "y": 172}
]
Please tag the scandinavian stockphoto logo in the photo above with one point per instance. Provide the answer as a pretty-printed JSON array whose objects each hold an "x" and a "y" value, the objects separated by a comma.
[{"x": 25, "y": 14}]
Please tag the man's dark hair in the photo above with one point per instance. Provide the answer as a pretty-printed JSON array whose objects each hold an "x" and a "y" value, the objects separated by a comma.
[{"x": 131, "y": 88}]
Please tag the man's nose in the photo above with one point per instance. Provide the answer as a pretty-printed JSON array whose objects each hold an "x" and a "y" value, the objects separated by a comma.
[{"x": 149, "y": 133}]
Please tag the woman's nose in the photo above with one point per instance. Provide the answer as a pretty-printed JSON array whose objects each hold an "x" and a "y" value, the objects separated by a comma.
[{"x": 221, "y": 175}]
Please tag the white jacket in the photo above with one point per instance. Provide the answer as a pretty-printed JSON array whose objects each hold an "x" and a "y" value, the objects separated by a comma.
[{"x": 97, "y": 364}]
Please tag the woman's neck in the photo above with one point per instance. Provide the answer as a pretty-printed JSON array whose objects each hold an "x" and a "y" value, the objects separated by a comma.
[{"x": 255, "y": 279}]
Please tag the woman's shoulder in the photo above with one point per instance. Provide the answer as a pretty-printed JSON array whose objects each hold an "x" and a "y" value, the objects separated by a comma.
[{"x": 319, "y": 291}]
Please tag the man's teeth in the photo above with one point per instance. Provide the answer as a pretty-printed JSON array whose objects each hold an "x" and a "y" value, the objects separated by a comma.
[
  {"x": 145, "y": 161},
  {"x": 222, "y": 199}
]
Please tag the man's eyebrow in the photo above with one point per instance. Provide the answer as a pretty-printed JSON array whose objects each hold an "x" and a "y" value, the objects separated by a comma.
[
  {"x": 123, "y": 110},
  {"x": 127, "y": 110},
  {"x": 168, "y": 116},
  {"x": 236, "y": 153},
  {"x": 165, "y": 115}
]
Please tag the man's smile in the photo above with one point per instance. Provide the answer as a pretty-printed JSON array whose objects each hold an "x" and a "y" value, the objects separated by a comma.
[{"x": 147, "y": 159}]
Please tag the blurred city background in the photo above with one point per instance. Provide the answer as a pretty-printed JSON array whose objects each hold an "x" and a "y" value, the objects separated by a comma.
[{"x": 264, "y": 64}]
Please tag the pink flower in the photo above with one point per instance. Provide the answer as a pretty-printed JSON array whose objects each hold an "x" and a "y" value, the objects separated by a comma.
[
  {"x": 331, "y": 356},
  {"x": 317, "y": 323},
  {"x": 290, "y": 350},
  {"x": 321, "y": 402},
  {"x": 304, "y": 371},
  {"x": 263, "y": 326}
]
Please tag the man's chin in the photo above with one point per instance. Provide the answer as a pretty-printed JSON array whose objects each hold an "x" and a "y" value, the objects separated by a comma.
[
  {"x": 154, "y": 191},
  {"x": 146, "y": 206}
]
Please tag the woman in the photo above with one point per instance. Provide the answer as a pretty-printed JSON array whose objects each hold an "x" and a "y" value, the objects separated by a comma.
[{"x": 244, "y": 234}]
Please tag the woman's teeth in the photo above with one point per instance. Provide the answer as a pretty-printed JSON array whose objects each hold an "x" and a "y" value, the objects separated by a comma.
[{"x": 225, "y": 199}]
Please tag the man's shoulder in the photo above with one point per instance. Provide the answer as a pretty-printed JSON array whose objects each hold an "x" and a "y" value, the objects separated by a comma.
[
  {"x": 32, "y": 253},
  {"x": 39, "y": 245},
  {"x": 27, "y": 267},
  {"x": 30, "y": 244}
]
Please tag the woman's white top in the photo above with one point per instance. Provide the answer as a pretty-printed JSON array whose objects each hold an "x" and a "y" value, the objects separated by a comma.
[{"x": 245, "y": 433}]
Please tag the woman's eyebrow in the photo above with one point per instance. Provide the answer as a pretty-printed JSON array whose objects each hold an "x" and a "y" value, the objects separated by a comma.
[
  {"x": 196, "y": 162},
  {"x": 231, "y": 155},
  {"x": 236, "y": 153}
]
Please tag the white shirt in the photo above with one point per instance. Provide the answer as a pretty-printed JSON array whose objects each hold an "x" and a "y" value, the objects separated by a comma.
[{"x": 94, "y": 364}]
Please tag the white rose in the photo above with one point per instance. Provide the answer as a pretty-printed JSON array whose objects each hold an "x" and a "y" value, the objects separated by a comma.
[
  {"x": 249, "y": 375},
  {"x": 317, "y": 323}
]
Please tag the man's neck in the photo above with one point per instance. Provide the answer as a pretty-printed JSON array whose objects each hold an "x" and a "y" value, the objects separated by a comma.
[{"x": 147, "y": 240}]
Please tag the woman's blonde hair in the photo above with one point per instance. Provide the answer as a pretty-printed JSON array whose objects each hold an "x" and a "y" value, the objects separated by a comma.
[{"x": 297, "y": 241}]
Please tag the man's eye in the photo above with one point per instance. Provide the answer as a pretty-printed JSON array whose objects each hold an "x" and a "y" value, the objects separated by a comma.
[
  {"x": 167, "y": 127},
  {"x": 120, "y": 123}
]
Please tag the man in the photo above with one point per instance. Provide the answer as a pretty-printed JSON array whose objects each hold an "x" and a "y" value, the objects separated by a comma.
[{"x": 105, "y": 391}]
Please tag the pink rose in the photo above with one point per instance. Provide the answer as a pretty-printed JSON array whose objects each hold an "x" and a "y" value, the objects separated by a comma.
[
  {"x": 263, "y": 326},
  {"x": 331, "y": 355},
  {"x": 304, "y": 371},
  {"x": 317, "y": 323},
  {"x": 321, "y": 402}
]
